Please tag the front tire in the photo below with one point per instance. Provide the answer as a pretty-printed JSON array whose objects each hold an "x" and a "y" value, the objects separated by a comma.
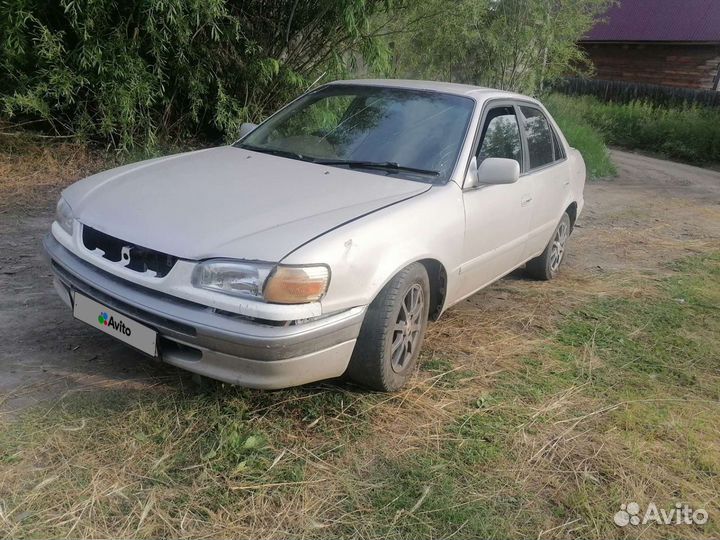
[
  {"x": 392, "y": 333},
  {"x": 546, "y": 265}
]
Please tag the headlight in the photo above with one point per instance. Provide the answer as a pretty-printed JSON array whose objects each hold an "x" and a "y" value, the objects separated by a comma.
[
  {"x": 273, "y": 283},
  {"x": 230, "y": 277},
  {"x": 64, "y": 216}
]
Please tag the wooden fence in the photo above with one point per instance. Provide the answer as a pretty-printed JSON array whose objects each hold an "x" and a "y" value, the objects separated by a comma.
[{"x": 624, "y": 92}]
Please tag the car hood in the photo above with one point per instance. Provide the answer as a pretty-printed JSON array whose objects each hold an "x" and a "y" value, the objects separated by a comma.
[{"x": 229, "y": 202}]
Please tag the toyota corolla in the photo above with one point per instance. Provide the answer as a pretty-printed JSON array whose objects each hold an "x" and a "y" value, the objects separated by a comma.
[{"x": 322, "y": 242}]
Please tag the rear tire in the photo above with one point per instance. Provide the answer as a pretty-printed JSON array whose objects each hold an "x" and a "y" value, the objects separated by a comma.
[
  {"x": 392, "y": 333},
  {"x": 546, "y": 265}
]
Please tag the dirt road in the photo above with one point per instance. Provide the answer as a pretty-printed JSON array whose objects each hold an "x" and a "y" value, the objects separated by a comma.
[{"x": 653, "y": 212}]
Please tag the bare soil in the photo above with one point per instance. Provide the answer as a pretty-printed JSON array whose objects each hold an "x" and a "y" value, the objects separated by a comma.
[{"x": 653, "y": 212}]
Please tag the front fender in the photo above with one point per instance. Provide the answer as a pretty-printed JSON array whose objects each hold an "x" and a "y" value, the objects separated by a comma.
[{"x": 365, "y": 254}]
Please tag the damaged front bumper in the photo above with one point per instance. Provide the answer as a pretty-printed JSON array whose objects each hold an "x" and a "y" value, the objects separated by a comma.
[{"x": 220, "y": 345}]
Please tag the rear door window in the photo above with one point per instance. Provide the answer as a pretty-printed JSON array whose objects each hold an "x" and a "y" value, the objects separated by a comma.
[{"x": 543, "y": 147}]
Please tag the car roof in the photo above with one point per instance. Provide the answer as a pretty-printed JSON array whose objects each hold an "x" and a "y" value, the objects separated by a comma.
[{"x": 478, "y": 92}]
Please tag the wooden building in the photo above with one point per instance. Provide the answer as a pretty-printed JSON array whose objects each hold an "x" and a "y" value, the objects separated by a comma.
[{"x": 665, "y": 42}]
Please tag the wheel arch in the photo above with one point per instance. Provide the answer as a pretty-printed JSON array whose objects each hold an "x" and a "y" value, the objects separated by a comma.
[
  {"x": 571, "y": 211},
  {"x": 437, "y": 276}
]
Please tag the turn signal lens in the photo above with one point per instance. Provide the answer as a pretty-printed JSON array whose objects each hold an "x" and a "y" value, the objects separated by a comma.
[{"x": 296, "y": 285}]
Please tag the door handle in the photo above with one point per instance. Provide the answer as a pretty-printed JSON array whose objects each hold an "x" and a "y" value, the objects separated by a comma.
[{"x": 525, "y": 200}]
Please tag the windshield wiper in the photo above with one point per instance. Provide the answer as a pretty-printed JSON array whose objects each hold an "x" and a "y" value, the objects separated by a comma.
[
  {"x": 276, "y": 152},
  {"x": 389, "y": 166}
]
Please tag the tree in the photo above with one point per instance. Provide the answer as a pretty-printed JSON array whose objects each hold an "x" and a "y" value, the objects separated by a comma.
[{"x": 515, "y": 45}]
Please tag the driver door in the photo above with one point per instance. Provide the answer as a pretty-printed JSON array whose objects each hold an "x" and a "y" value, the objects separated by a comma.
[{"x": 497, "y": 217}]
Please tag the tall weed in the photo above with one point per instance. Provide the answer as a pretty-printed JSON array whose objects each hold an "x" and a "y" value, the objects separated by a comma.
[
  {"x": 579, "y": 134},
  {"x": 688, "y": 133}
]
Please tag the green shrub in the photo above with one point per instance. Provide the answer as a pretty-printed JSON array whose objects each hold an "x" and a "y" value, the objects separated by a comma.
[
  {"x": 688, "y": 133},
  {"x": 579, "y": 134},
  {"x": 129, "y": 71}
]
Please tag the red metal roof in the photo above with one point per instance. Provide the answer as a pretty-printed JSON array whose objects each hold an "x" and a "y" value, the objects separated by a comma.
[{"x": 660, "y": 20}]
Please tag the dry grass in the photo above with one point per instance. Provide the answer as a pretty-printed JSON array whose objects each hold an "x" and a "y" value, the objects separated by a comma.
[
  {"x": 32, "y": 173},
  {"x": 179, "y": 464},
  {"x": 500, "y": 433},
  {"x": 538, "y": 409}
]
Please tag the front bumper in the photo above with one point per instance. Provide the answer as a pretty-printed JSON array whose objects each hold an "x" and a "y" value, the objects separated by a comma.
[{"x": 226, "y": 347}]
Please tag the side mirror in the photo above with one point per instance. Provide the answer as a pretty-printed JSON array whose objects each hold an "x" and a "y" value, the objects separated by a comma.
[
  {"x": 498, "y": 171},
  {"x": 246, "y": 128}
]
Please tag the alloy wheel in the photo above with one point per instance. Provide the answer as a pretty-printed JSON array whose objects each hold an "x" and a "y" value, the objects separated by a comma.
[
  {"x": 406, "y": 332},
  {"x": 557, "y": 250}
]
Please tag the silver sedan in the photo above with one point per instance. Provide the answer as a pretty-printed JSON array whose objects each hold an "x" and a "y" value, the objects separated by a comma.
[{"x": 322, "y": 242}]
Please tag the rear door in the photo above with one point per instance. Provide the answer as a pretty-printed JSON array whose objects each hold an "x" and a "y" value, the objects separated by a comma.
[
  {"x": 497, "y": 217},
  {"x": 548, "y": 172}
]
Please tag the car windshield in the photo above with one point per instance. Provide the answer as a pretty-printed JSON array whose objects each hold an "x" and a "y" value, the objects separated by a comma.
[{"x": 408, "y": 133}]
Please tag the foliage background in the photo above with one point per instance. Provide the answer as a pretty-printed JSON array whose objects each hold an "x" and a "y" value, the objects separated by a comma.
[
  {"x": 131, "y": 71},
  {"x": 518, "y": 45}
]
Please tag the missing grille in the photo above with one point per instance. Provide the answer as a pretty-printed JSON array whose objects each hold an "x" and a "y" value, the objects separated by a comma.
[{"x": 137, "y": 258}]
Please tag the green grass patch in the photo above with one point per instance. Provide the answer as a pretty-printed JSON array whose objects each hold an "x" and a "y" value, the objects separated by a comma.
[
  {"x": 444, "y": 373},
  {"x": 687, "y": 133},
  {"x": 582, "y": 136},
  {"x": 133, "y": 463},
  {"x": 560, "y": 442}
]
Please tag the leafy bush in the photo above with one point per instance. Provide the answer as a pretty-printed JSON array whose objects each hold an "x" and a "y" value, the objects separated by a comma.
[
  {"x": 687, "y": 133},
  {"x": 128, "y": 71},
  {"x": 587, "y": 139}
]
